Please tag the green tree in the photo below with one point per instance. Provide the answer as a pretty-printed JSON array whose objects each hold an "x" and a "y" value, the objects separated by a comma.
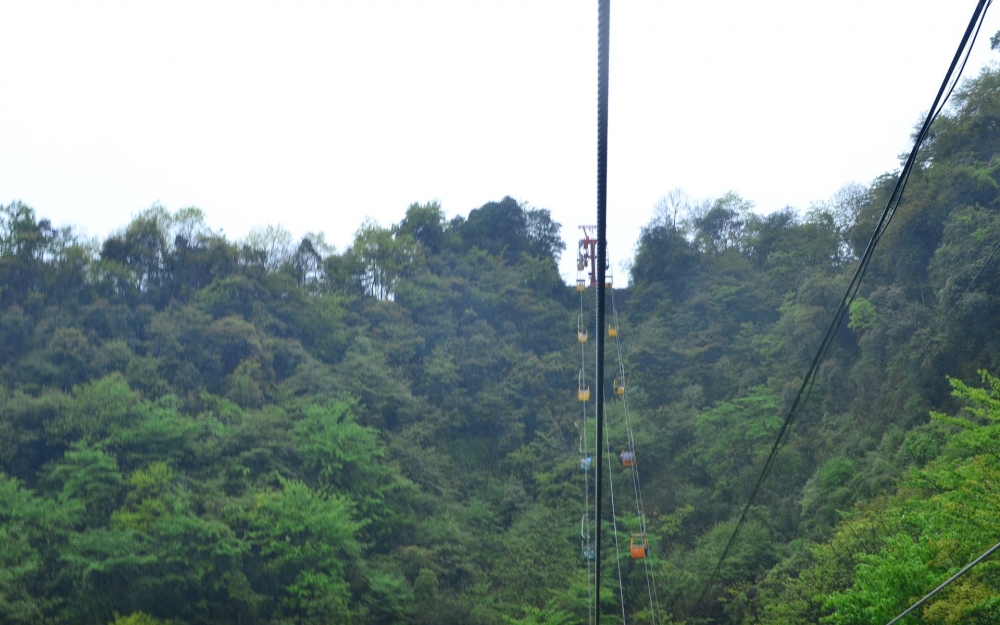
[
  {"x": 87, "y": 479},
  {"x": 736, "y": 435},
  {"x": 307, "y": 543},
  {"x": 378, "y": 259}
]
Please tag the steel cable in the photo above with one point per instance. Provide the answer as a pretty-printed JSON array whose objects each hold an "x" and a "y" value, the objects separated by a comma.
[{"x": 852, "y": 289}]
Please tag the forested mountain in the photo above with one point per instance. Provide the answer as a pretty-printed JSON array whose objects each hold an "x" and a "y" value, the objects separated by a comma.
[{"x": 200, "y": 430}]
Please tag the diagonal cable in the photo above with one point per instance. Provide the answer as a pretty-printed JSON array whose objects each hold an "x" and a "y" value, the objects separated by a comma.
[
  {"x": 968, "y": 567},
  {"x": 852, "y": 288}
]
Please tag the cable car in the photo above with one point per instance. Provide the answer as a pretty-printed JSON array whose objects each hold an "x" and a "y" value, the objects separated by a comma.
[
  {"x": 608, "y": 280},
  {"x": 638, "y": 547},
  {"x": 581, "y": 329},
  {"x": 627, "y": 457},
  {"x": 583, "y": 391},
  {"x": 581, "y": 285},
  {"x": 586, "y": 463},
  {"x": 612, "y": 330},
  {"x": 618, "y": 386},
  {"x": 586, "y": 547}
]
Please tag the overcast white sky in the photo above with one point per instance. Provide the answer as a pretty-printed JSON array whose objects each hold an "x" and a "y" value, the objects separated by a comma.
[{"x": 315, "y": 115}]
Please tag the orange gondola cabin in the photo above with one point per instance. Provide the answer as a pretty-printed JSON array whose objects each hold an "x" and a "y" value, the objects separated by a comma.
[
  {"x": 627, "y": 458},
  {"x": 638, "y": 546}
]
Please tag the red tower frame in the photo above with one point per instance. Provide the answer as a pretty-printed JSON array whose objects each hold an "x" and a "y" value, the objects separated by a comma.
[{"x": 587, "y": 254}]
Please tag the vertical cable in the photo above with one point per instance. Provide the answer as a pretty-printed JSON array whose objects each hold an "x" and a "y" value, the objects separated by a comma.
[
  {"x": 637, "y": 487},
  {"x": 603, "y": 36},
  {"x": 585, "y": 450},
  {"x": 614, "y": 528}
]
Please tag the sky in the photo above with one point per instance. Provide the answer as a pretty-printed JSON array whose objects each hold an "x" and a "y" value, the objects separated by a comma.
[{"x": 319, "y": 115}]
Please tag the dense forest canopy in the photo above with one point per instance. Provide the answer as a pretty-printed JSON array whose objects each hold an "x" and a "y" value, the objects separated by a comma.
[{"x": 200, "y": 430}]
